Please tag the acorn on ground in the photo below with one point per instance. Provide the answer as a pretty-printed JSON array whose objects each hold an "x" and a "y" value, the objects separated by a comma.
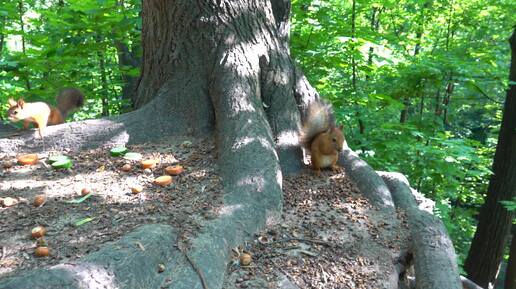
[
  {"x": 245, "y": 259},
  {"x": 38, "y": 232},
  {"x": 39, "y": 200}
]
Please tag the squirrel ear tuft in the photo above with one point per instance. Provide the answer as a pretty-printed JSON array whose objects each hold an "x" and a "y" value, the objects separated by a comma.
[
  {"x": 12, "y": 102},
  {"x": 21, "y": 102},
  {"x": 341, "y": 127}
]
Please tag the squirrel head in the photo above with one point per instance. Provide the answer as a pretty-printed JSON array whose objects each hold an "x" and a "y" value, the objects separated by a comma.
[
  {"x": 336, "y": 137},
  {"x": 16, "y": 109}
]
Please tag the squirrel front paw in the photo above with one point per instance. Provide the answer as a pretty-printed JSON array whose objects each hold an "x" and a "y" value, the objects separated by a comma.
[
  {"x": 317, "y": 172},
  {"x": 336, "y": 168}
]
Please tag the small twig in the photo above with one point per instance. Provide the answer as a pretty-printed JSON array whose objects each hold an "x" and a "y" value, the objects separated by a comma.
[
  {"x": 140, "y": 245},
  {"x": 45, "y": 164},
  {"x": 479, "y": 89},
  {"x": 314, "y": 241},
  {"x": 197, "y": 269}
]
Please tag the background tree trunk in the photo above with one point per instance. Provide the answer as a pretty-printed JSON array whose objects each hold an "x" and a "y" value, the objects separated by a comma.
[
  {"x": 103, "y": 79},
  {"x": 21, "y": 11},
  {"x": 495, "y": 221},
  {"x": 419, "y": 36},
  {"x": 126, "y": 60},
  {"x": 510, "y": 273},
  {"x": 2, "y": 35}
]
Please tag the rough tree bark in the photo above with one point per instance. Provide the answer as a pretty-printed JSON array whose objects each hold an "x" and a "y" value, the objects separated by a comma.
[
  {"x": 495, "y": 221},
  {"x": 222, "y": 67},
  {"x": 127, "y": 59},
  {"x": 103, "y": 78},
  {"x": 510, "y": 273},
  {"x": 218, "y": 67},
  {"x": 2, "y": 35},
  {"x": 21, "y": 12}
]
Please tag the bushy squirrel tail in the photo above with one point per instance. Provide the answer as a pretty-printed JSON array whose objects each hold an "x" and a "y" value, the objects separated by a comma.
[
  {"x": 319, "y": 118},
  {"x": 68, "y": 100}
]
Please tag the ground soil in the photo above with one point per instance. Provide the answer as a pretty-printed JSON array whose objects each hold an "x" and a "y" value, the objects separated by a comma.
[
  {"x": 193, "y": 197},
  {"x": 330, "y": 236}
]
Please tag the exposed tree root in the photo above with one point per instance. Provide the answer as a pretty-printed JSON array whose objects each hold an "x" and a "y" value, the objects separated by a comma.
[
  {"x": 468, "y": 284},
  {"x": 367, "y": 180},
  {"x": 117, "y": 263},
  {"x": 435, "y": 264}
]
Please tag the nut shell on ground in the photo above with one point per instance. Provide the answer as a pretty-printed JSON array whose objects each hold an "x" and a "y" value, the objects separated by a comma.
[
  {"x": 8, "y": 202},
  {"x": 163, "y": 180},
  {"x": 136, "y": 189},
  {"x": 42, "y": 252},
  {"x": 126, "y": 168},
  {"x": 245, "y": 259},
  {"x": 39, "y": 200},
  {"x": 27, "y": 159},
  {"x": 38, "y": 232},
  {"x": 174, "y": 170},
  {"x": 8, "y": 164},
  {"x": 85, "y": 191},
  {"x": 149, "y": 164}
]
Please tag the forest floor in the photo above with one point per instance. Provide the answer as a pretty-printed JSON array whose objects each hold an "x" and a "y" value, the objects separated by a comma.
[{"x": 329, "y": 236}]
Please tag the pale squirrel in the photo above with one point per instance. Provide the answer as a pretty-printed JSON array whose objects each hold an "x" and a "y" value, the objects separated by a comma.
[
  {"x": 43, "y": 114},
  {"x": 321, "y": 136}
]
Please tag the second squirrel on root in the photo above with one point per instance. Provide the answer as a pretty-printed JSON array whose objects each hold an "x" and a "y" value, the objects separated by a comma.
[
  {"x": 321, "y": 137},
  {"x": 43, "y": 114}
]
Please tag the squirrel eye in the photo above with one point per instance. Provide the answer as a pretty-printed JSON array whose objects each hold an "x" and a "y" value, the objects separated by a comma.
[{"x": 334, "y": 140}]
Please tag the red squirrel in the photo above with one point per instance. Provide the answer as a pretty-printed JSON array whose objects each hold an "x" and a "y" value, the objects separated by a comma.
[
  {"x": 321, "y": 137},
  {"x": 43, "y": 114}
]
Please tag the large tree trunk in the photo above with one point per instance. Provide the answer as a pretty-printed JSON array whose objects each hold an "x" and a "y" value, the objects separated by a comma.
[
  {"x": 223, "y": 66},
  {"x": 127, "y": 60},
  {"x": 510, "y": 273},
  {"x": 219, "y": 67},
  {"x": 2, "y": 36},
  {"x": 494, "y": 223},
  {"x": 21, "y": 11}
]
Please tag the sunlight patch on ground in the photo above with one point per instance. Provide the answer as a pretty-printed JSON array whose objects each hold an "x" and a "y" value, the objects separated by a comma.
[{"x": 69, "y": 186}]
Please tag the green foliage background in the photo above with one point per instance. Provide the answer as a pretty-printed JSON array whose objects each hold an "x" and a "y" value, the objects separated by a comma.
[
  {"x": 65, "y": 43},
  {"x": 412, "y": 55},
  {"x": 430, "y": 58}
]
